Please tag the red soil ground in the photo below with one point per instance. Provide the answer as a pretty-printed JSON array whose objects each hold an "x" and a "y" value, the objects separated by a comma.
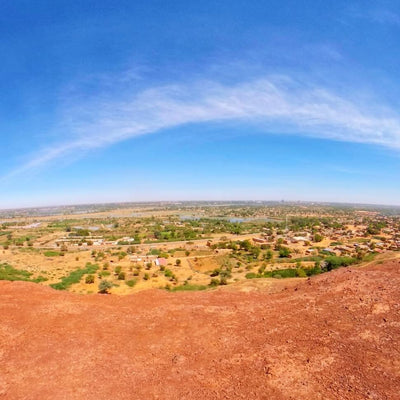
[{"x": 336, "y": 336}]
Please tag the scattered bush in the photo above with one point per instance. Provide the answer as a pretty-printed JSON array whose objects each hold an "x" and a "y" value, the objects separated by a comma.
[
  {"x": 117, "y": 269},
  {"x": 89, "y": 279},
  {"x": 104, "y": 286},
  {"x": 121, "y": 276}
]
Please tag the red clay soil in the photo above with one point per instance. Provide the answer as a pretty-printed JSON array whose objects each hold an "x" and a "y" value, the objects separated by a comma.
[{"x": 336, "y": 336}]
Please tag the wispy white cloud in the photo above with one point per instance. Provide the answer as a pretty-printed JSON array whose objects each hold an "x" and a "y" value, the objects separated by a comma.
[
  {"x": 377, "y": 15},
  {"x": 383, "y": 16},
  {"x": 277, "y": 104}
]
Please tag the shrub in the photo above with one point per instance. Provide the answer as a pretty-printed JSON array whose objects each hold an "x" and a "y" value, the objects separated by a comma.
[
  {"x": 131, "y": 282},
  {"x": 104, "y": 286},
  {"x": 89, "y": 279},
  {"x": 214, "y": 282},
  {"x": 318, "y": 238},
  {"x": 300, "y": 273},
  {"x": 168, "y": 273},
  {"x": 313, "y": 271},
  {"x": 284, "y": 252},
  {"x": 121, "y": 276},
  {"x": 117, "y": 269},
  {"x": 216, "y": 272}
]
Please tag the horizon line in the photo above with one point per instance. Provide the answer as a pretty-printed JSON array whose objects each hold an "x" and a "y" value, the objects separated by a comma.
[{"x": 283, "y": 201}]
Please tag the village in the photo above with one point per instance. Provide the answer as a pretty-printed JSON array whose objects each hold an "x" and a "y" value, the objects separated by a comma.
[{"x": 192, "y": 246}]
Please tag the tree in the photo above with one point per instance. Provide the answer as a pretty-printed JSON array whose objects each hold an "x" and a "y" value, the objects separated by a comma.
[
  {"x": 245, "y": 245},
  {"x": 268, "y": 255},
  {"x": 121, "y": 276},
  {"x": 104, "y": 286},
  {"x": 284, "y": 252},
  {"x": 178, "y": 262},
  {"x": 255, "y": 251},
  {"x": 318, "y": 238},
  {"x": 89, "y": 279}
]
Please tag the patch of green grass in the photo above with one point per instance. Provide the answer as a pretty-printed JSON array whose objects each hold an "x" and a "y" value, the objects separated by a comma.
[
  {"x": 9, "y": 273},
  {"x": 39, "y": 279},
  {"x": 28, "y": 250},
  {"x": 187, "y": 287},
  {"x": 51, "y": 253},
  {"x": 75, "y": 277}
]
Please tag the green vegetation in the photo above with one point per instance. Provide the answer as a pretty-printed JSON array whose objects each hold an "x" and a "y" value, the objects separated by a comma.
[
  {"x": 374, "y": 228},
  {"x": 121, "y": 276},
  {"x": 131, "y": 282},
  {"x": 89, "y": 279},
  {"x": 285, "y": 273},
  {"x": 333, "y": 262},
  {"x": 284, "y": 252},
  {"x": 318, "y": 238},
  {"x": 75, "y": 277},
  {"x": 51, "y": 253},
  {"x": 9, "y": 273},
  {"x": 105, "y": 286},
  {"x": 187, "y": 287}
]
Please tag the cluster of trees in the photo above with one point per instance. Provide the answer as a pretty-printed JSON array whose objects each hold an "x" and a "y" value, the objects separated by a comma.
[
  {"x": 375, "y": 227},
  {"x": 300, "y": 223}
]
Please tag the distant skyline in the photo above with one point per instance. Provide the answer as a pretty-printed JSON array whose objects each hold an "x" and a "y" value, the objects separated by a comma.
[{"x": 105, "y": 101}]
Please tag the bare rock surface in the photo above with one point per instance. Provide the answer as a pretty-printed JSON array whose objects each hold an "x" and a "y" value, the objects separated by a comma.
[{"x": 335, "y": 336}]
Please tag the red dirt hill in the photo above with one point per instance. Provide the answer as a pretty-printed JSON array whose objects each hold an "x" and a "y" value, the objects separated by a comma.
[{"x": 336, "y": 336}]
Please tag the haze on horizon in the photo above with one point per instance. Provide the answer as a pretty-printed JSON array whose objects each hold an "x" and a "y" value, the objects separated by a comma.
[{"x": 267, "y": 100}]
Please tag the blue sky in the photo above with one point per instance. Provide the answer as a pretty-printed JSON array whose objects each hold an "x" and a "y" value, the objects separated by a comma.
[{"x": 160, "y": 100}]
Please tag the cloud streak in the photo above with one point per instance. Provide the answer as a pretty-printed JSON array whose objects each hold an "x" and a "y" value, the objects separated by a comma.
[{"x": 276, "y": 104}]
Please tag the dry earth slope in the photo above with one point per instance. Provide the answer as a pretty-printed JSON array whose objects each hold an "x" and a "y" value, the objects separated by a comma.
[{"x": 336, "y": 336}]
